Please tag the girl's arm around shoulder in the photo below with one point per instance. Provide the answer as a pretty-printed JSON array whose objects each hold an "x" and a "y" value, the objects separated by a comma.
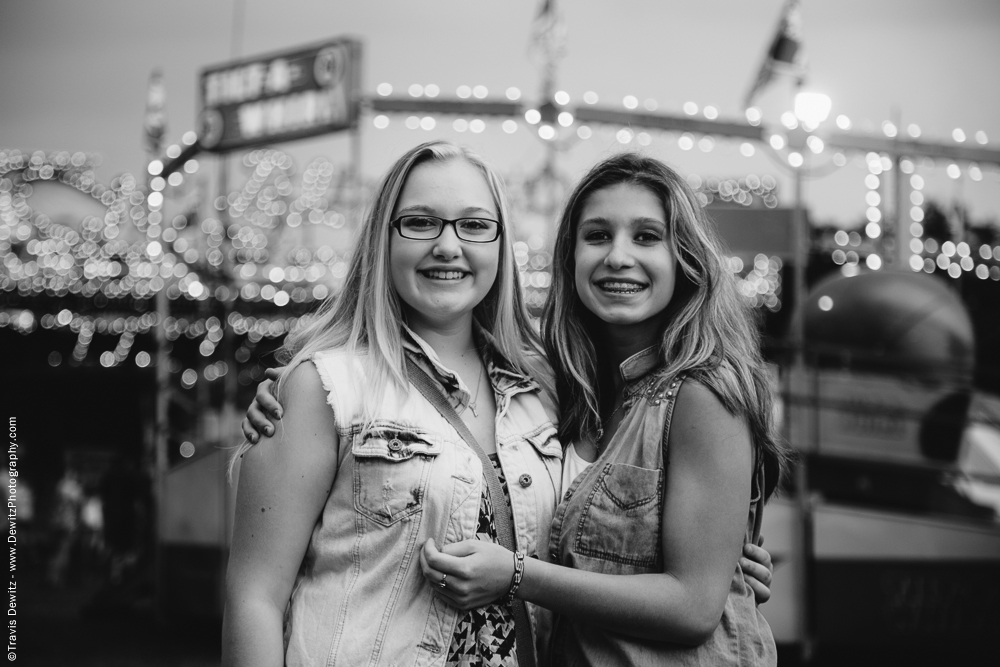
[
  {"x": 283, "y": 485},
  {"x": 707, "y": 493}
]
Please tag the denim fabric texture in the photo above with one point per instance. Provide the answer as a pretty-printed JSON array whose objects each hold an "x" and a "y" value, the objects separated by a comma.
[
  {"x": 360, "y": 597},
  {"x": 609, "y": 521}
]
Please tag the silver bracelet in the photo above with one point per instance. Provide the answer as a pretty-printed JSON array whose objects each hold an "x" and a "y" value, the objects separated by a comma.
[{"x": 515, "y": 580}]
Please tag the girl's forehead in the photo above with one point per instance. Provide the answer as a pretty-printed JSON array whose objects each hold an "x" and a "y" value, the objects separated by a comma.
[
  {"x": 453, "y": 183},
  {"x": 623, "y": 201},
  {"x": 449, "y": 172}
]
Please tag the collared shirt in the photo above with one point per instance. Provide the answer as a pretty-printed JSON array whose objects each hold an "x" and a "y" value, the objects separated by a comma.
[
  {"x": 503, "y": 377},
  {"x": 640, "y": 363},
  {"x": 419, "y": 351}
]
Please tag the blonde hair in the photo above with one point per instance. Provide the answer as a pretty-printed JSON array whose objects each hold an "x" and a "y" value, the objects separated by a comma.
[
  {"x": 367, "y": 314},
  {"x": 710, "y": 334}
]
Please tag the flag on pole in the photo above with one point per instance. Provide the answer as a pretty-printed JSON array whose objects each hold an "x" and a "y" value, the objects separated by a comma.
[
  {"x": 155, "y": 124},
  {"x": 548, "y": 37},
  {"x": 785, "y": 56}
]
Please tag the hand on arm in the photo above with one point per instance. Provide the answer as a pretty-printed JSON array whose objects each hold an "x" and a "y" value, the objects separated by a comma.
[
  {"x": 478, "y": 572},
  {"x": 283, "y": 486},
  {"x": 758, "y": 570},
  {"x": 264, "y": 408}
]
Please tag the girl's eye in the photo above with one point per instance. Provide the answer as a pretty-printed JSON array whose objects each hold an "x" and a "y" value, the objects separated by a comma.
[
  {"x": 595, "y": 235},
  {"x": 648, "y": 237},
  {"x": 419, "y": 222}
]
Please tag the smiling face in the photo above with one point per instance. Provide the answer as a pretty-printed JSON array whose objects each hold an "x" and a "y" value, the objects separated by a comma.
[
  {"x": 625, "y": 269},
  {"x": 440, "y": 281}
]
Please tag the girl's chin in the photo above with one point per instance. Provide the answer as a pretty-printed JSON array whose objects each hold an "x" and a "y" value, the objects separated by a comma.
[
  {"x": 440, "y": 312},
  {"x": 622, "y": 317},
  {"x": 619, "y": 313}
]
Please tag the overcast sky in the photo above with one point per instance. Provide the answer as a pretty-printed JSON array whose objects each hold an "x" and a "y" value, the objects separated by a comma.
[{"x": 75, "y": 72}]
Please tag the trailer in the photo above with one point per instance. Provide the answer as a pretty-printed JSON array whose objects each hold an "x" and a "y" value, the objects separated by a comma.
[{"x": 886, "y": 541}]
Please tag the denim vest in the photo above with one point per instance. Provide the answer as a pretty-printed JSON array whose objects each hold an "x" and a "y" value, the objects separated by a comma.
[
  {"x": 360, "y": 597},
  {"x": 610, "y": 522}
]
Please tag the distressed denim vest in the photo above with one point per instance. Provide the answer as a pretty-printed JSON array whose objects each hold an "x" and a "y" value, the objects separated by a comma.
[
  {"x": 610, "y": 522},
  {"x": 360, "y": 597}
]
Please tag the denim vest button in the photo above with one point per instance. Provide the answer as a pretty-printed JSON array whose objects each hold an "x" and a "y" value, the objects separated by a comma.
[
  {"x": 524, "y": 480},
  {"x": 395, "y": 445},
  {"x": 569, "y": 494}
]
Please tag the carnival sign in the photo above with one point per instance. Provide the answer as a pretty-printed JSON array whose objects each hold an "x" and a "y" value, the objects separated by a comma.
[{"x": 299, "y": 93}]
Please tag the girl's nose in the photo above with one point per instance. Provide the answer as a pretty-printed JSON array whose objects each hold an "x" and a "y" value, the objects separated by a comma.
[
  {"x": 619, "y": 256},
  {"x": 448, "y": 245}
]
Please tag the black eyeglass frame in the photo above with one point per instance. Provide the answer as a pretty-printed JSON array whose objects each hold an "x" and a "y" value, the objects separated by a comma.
[{"x": 397, "y": 224}]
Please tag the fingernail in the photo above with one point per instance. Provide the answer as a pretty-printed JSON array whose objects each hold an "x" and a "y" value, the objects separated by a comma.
[
  {"x": 253, "y": 439},
  {"x": 269, "y": 430},
  {"x": 277, "y": 413}
]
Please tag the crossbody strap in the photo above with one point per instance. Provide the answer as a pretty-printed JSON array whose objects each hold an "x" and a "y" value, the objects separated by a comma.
[{"x": 501, "y": 509}]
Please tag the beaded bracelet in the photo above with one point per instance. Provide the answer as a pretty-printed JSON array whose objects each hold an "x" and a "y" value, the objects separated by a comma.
[{"x": 515, "y": 580}]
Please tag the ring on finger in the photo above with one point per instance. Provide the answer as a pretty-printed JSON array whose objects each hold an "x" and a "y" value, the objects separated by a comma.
[{"x": 443, "y": 583}]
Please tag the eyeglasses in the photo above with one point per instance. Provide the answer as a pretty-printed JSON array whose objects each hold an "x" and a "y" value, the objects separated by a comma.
[{"x": 429, "y": 227}]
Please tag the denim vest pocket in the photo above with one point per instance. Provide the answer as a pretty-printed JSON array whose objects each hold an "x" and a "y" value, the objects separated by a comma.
[
  {"x": 391, "y": 466},
  {"x": 620, "y": 522}
]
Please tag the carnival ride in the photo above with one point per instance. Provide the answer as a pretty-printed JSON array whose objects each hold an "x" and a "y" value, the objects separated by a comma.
[{"x": 888, "y": 536}]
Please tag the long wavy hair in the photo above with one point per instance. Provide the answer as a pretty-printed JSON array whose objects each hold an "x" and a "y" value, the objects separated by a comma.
[
  {"x": 367, "y": 315},
  {"x": 710, "y": 334}
]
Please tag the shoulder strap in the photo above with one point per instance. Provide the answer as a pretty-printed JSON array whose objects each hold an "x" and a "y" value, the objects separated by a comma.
[
  {"x": 668, "y": 392},
  {"x": 501, "y": 509}
]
